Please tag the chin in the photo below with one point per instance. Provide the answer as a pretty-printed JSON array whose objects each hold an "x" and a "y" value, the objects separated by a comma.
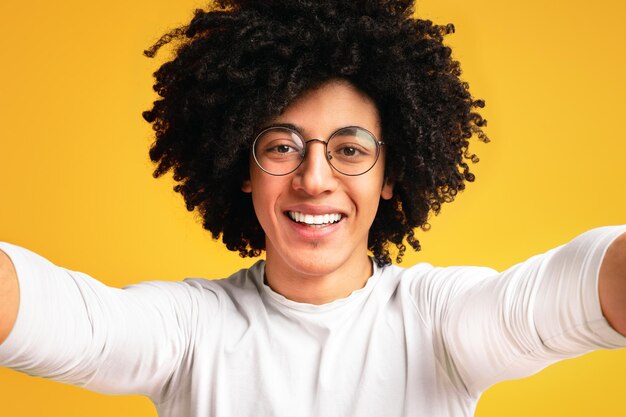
[
  {"x": 313, "y": 262},
  {"x": 316, "y": 264}
]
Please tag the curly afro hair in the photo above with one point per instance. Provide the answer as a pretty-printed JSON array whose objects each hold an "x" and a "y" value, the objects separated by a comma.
[{"x": 241, "y": 62}]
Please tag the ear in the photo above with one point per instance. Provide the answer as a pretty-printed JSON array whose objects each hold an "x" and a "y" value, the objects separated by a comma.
[
  {"x": 387, "y": 192},
  {"x": 246, "y": 186}
]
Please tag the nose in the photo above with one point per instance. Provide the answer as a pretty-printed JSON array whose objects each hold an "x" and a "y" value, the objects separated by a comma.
[{"x": 315, "y": 175}]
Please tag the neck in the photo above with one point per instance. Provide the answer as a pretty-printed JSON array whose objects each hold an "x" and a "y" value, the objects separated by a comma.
[{"x": 317, "y": 285}]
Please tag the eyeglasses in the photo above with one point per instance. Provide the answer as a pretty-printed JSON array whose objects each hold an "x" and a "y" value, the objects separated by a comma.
[{"x": 351, "y": 150}]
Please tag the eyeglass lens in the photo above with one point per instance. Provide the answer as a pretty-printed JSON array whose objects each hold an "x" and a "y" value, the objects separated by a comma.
[{"x": 350, "y": 150}]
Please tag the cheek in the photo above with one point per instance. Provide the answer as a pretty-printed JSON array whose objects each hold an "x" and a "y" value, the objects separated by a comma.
[
  {"x": 262, "y": 211},
  {"x": 367, "y": 196},
  {"x": 266, "y": 192}
]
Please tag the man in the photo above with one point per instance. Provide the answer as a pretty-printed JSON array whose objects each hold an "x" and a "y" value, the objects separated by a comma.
[{"x": 275, "y": 327}]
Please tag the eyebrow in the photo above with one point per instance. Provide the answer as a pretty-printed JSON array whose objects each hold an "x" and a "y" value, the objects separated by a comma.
[
  {"x": 300, "y": 130},
  {"x": 291, "y": 126}
]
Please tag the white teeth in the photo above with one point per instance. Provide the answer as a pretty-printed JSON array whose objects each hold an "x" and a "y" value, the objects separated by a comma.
[{"x": 315, "y": 220}]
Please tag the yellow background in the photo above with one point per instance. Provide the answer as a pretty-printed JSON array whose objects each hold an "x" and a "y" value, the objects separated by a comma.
[{"x": 76, "y": 182}]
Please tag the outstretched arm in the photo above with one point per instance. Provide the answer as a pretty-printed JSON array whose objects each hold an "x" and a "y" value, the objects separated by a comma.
[
  {"x": 75, "y": 329},
  {"x": 512, "y": 324},
  {"x": 612, "y": 284},
  {"x": 9, "y": 296}
]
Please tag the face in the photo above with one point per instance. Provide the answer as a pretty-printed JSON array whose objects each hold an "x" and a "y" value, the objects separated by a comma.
[{"x": 343, "y": 207}]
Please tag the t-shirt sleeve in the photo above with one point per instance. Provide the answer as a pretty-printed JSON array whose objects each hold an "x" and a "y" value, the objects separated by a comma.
[
  {"x": 74, "y": 329},
  {"x": 501, "y": 326}
]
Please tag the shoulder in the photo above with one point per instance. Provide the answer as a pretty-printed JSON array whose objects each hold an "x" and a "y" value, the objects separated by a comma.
[
  {"x": 430, "y": 289},
  {"x": 197, "y": 295},
  {"x": 424, "y": 277},
  {"x": 241, "y": 287}
]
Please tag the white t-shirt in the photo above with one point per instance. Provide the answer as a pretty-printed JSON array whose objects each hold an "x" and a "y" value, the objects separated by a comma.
[{"x": 422, "y": 341}]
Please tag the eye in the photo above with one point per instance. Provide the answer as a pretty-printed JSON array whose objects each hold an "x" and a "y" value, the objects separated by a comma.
[
  {"x": 278, "y": 143},
  {"x": 348, "y": 151},
  {"x": 281, "y": 149}
]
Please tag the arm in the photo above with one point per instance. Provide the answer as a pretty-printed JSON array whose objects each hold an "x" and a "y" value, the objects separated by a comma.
[
  {"x": 9, "y": 296},
  {"x": 612, "y": 285},
  {"x": 74, "y": 329},
  {"x": 515, "y": 323}
]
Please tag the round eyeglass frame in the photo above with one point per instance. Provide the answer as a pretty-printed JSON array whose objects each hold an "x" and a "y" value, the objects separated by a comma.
[{"x": 378, "y": 143}]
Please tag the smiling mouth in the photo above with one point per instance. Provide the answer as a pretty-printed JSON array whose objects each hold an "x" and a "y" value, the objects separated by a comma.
[{"x": 315, "y": 220}]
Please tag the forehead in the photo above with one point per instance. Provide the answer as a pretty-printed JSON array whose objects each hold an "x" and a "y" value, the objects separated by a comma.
[{"x": 333, "y": 105}]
